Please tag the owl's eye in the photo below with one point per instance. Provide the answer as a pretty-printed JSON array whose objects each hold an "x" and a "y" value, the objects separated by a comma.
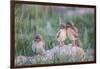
[
  {"x": 62, "y": 27},
  {"x": 37, "y": 37}
]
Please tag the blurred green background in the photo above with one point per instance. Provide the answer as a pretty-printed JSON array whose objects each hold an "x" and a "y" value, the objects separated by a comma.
[{"x": 46, "y": 20}]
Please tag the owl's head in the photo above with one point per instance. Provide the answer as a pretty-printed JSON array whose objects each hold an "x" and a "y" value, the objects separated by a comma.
[
  {"x": 63, "y": 26},
  {"x": 38, "y": 38},
  {"x": 69, "y": 24}
]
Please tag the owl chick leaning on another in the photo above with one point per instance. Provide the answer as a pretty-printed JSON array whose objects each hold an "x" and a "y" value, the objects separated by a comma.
[
  {"x": 38, "y": 45},
  {"x": 72, "y": 33}
]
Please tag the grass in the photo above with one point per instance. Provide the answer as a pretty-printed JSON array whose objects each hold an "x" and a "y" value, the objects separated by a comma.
[{"x": 46, "y": 22}]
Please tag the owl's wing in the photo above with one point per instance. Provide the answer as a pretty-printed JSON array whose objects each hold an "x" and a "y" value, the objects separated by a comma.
[
  {"x": 43, "y": 44},
  {"x": 58, "y": 34},
  {"x": 44, "y": 47},
  {"x": 74, "y": 32},
  {"x": 33, "y": 46}
]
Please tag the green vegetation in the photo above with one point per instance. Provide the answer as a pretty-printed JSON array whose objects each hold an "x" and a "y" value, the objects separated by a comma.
[{"x": 46, "y": 21}]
